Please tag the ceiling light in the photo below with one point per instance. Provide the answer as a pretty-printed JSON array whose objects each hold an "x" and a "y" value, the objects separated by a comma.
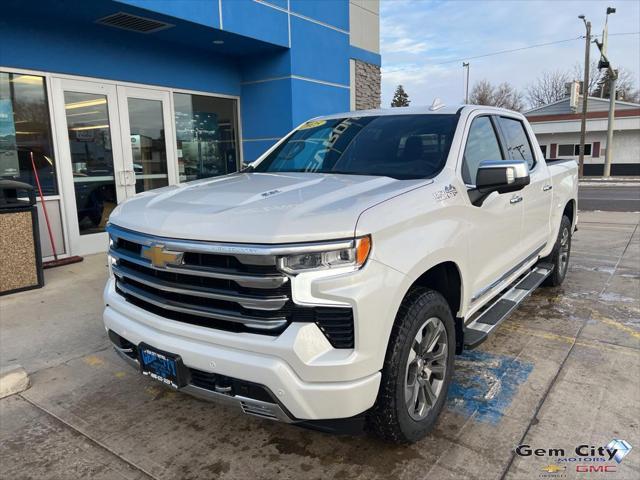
[
  {"x": 92, "y": 127},
  {"x": 85, "y": 103},
  {"x": 30, "y": 79}
]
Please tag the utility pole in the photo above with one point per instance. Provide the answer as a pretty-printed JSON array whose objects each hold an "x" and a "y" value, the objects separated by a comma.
[
  {"x": 466, "y": 91},
  {"x": 585, "y": 95},
  {"x": 613, "y": 78}
]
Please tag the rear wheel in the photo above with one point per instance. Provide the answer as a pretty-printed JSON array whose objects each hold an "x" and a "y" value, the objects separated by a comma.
[
  {"x": 417, "y": 369},
  {"x": 559, "y": 256}
]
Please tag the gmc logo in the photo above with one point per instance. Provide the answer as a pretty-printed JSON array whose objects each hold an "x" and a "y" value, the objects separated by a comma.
[{"x": 595, "y": 468}]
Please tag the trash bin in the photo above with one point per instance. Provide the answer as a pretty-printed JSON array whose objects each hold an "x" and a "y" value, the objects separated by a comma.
[{"x": 20, "y": 256}]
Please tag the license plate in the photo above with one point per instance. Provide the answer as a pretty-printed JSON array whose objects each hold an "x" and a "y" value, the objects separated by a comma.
[{"x": 161, "y": 366}]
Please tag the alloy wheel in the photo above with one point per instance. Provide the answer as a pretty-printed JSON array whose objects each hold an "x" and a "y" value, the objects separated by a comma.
[
  {"x": 564, "y": 251},
  {"x": 426, "y": 368}
]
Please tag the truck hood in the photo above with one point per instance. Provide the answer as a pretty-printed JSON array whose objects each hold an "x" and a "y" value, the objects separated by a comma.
[{"x": 259, "y": 207}]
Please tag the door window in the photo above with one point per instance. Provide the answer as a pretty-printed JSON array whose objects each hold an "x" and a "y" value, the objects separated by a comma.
[
  {"x": 89, "y": 136},
  {"x": 148, "y": 145},
  {"x": 482, "y": 144},
  {"x": 518, "y": 145}
]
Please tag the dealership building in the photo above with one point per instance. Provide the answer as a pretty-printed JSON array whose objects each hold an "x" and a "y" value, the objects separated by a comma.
[{"x": 101, "y": 99}]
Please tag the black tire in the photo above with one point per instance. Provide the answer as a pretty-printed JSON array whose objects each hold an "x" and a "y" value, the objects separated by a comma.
[
  {"x": 559, "y": 256},
  {"x": 390, "y": 418}
]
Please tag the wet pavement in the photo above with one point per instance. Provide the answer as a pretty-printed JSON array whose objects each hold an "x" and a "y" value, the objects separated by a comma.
[{"x": 563, "y": 371}]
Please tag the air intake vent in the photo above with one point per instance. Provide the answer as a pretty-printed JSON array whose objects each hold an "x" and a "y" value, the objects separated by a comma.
[{"x": 133, "y": 23}]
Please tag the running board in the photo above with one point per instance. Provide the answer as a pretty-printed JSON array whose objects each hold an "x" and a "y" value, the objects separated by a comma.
[{"x": 482, "y": 325}]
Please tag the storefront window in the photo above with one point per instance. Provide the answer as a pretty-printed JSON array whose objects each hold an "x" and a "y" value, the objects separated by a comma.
[
  {"x": 25, "y": 128},
  {"x": 206, "y": 135}
]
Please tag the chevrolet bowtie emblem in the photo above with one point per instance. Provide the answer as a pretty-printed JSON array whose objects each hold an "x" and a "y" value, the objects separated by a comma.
[
  {"x": 160, "y": 257},
  {"x": 553, "y": 468}
]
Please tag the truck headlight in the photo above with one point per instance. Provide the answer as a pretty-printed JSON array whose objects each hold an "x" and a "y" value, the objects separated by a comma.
[{"x": 353, "y": 256}]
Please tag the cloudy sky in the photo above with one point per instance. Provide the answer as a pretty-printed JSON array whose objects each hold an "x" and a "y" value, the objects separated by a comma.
[{"x": 424, "y": 42}]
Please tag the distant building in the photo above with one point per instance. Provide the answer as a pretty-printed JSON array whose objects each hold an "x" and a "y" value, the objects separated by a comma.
[{"x": 557, "y": 128}]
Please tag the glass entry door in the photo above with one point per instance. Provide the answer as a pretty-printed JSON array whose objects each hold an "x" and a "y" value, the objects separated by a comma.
[
  {"x": 94, "y": 177},
  {"x": 113, "y": 144},
  {"x": 146, "y": 128}
]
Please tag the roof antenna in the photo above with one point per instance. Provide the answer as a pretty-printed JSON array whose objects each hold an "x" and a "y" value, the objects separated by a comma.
[{"x": 436, "y": 105}]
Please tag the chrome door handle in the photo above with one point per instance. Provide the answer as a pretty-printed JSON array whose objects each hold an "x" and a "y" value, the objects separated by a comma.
[
  {"x": 546, "y": 188},
  {"x": 515, "y": 199}
]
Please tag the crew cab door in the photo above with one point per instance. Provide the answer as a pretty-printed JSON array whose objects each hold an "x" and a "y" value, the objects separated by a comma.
[
  {"x": 495, "y": 227},
  {"x": 536, "y": 197}
]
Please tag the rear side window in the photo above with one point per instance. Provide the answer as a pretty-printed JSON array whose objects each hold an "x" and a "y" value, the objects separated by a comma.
[
  {"x": 482, "y": 144},
  {"x": 518, "y": 145}
]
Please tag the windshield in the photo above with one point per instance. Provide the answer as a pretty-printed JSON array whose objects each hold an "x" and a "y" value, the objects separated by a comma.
[{"x": 397, "y": 146}]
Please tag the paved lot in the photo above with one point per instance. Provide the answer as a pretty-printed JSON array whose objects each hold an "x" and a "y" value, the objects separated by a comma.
[
  {"x": 613, "y": 198},
  {"x": 563, "y": 371}
]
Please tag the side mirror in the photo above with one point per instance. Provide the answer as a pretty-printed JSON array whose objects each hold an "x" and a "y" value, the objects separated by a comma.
[{"x": 502, "y": 176}]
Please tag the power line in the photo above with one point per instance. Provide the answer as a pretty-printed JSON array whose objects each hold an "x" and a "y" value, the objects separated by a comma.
[
  {"x": 510, "y": 50},
  {"x": 501, "y": 52}
]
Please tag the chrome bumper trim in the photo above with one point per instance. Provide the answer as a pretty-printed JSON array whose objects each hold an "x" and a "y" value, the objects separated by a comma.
[{"x": 249, "y": 406}]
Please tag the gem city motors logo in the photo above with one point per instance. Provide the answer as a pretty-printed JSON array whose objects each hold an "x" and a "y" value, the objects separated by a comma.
[{"x": 587, "y": 458}]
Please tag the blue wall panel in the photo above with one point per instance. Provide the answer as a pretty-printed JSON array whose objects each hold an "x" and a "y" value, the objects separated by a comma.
[
  {"x": 256, "y": 20},
  {"x": 311, "y": 99},
  {"x": 252, "y": 150},
  {"x": 277, "y": 3},
  {"x": 365, "y": 55},
  {"x": 204, "y": 12},
  {"x": 266, "y": 109},
  {"x": 331, "y": 12},
  {"x": 117, "y": 55},
  {"x": 319, "y": 52},
  {"x": 264, "y": 66}
]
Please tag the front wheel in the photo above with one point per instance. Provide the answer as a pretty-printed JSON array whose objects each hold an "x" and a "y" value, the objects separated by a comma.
[
  {"x": 559, "y": 256},
  {"x": 417, "y": 369}
]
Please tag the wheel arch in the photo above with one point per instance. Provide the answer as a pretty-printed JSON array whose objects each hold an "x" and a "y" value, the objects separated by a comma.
[
  {"x": 570, "y": 211},
  {"x": 446, "y": 279}
]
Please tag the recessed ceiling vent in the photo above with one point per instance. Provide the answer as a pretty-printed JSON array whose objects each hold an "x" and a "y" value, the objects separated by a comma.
[{"x": 133, "y": 23}]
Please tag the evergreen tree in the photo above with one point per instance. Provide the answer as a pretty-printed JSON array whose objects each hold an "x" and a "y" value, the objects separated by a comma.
[{"x": 400, "y": 98}]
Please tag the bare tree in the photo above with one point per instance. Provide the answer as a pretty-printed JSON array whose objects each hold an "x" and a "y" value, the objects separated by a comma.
[
  {"x": 594, "y": 75},
  {"x": 548, "y": 88},
  {"x": 503, "y": 95},
  {"x": 625, "y": 86}
]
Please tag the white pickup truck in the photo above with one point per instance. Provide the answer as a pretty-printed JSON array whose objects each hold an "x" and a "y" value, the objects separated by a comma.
[{"x": 333, "y": 281}]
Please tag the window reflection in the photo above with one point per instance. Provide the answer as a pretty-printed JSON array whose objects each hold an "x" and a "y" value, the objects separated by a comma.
[
  {"x": 148, "y": 145},
  {"x": 91, "y": 159},
  {"x": 206, "y": 135},
  {"x": 25, "y": 128}
]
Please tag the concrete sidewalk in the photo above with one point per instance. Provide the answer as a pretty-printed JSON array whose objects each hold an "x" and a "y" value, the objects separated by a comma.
[{"x": 563, "y": 371}]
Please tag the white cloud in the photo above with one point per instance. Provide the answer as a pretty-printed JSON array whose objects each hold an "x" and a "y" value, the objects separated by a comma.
[{"x": 418, "y": 36}]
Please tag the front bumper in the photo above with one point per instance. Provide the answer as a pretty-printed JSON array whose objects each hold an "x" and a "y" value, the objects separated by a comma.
[
  {"x": 300, "y": 400},
  {"x": 309, "y": 379}
]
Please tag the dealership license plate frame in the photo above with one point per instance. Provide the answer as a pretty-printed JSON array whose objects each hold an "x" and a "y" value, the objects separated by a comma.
[{"x": 164, "y": 367}]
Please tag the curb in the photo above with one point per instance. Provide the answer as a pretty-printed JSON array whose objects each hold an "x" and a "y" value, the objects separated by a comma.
[{"x": 13, "y": 379}]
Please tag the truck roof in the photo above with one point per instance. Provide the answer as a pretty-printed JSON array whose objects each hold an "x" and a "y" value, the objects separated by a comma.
[{"x": 417, "y": 110}]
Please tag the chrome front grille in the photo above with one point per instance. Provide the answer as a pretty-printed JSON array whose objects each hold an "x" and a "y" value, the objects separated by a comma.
[
  {"x": 231, "y": 287},
  {"x": 207, "y": 288}
]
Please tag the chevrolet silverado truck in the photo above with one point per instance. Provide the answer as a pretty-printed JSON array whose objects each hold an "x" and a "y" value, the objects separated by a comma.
[{"x": 333, "y": 281}]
